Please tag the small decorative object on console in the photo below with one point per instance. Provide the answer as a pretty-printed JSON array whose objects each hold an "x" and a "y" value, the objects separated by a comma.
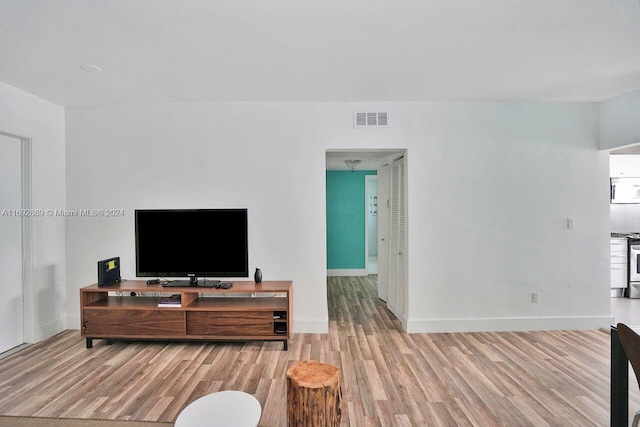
[
  {"x": 257, "y": 276},
  {"x": 109, "y": 271}
]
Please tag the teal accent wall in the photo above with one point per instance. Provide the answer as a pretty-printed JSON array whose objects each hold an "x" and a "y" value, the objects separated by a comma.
[{"x": 346, "y": 219}]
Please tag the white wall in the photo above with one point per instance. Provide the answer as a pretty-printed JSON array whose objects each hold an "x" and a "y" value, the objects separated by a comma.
[
  {"x": 254, "y": 156},
  {"x": 619, "y": 124},
  {"x": 490, "y": 189},
  {"x": 490, "y": 186},
  {"x": 28, "y": 116}
]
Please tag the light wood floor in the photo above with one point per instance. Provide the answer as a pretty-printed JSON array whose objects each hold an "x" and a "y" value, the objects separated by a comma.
[{"x": 389, "y": 378}]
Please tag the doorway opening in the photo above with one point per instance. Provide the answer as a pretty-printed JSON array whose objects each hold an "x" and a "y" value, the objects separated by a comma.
[
  {"x": 624, "y": 164},
  {"x": 362, "y": 223}
]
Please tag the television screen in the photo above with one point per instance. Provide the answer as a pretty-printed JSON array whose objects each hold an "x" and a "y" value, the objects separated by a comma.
[{"x": 191, "y": 243}]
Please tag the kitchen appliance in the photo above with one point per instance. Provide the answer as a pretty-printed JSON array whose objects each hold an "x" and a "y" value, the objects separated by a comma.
[
  {"x": 619, "y": 265},
  {"x": 625, "y": 190},
  {"x": 633, "y": 242}
]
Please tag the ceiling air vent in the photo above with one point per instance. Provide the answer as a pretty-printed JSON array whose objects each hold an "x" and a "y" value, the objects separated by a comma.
[{"x": 365, "y": 119}]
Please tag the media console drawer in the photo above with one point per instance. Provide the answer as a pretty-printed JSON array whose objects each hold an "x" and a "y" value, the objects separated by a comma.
[
  {"x": 243, "y": 323},
  {"x": 125, "y": 323}
]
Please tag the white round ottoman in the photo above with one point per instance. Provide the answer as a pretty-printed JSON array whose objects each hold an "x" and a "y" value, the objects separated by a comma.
[{"x": 225, "y": 409}]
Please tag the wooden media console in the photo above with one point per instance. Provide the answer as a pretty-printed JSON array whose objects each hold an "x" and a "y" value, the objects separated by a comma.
[{"x": 244, "y": 312}]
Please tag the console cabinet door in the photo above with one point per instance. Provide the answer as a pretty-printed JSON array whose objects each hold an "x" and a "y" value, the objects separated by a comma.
[
  {"x": 126, "y": 323},
  {"x": 230, "y": 323}
]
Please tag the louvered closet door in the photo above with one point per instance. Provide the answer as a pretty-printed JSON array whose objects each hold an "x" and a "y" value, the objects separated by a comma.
[{"x": 397, "y": 242}]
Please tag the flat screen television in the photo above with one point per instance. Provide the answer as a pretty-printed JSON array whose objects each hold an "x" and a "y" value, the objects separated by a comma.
[{"x": 193, "y": 243}]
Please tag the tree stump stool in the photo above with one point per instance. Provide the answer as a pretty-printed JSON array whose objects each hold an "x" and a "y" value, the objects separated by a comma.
[{"x": 314, "y": 397}]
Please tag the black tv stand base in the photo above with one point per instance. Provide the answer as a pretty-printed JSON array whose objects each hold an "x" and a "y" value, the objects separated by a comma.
[
  {"x": 206, "y": 283},
  {"x": 202, "y": 283}
]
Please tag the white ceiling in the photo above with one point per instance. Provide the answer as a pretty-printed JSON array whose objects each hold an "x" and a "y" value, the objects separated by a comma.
[
  {"x": 156, "y": 51},
  {"x": 369, "y": 159},
  {"x": 635, "y": 150}
]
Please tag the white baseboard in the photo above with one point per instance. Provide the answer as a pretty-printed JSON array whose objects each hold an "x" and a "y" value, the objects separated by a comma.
[
  {"x": 348, "y": 272},
  {"x": 310, "y": 326},
  {"x": 508, "y": 324},
  {"x": 73, "y": 322},
  {"x": 47, "y": 331}
]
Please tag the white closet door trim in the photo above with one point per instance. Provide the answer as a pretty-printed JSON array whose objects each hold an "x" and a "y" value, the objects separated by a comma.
[{"x": 27, "y": 233}]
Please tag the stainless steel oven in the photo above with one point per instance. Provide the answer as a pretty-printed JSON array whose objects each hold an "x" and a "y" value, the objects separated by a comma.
[{"x": 634, "y": 267}]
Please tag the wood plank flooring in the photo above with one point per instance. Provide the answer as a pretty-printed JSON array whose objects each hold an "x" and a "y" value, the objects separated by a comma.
[{"x": 389, "y": 378}]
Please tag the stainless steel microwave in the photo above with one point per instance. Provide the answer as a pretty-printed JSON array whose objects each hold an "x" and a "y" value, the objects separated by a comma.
[{"x": 625, "y": 190}]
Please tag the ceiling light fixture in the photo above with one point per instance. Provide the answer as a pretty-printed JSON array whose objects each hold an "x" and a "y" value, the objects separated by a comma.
[
  {"x": 352, "y": 163},
  {"x": 91, "y": 68}
]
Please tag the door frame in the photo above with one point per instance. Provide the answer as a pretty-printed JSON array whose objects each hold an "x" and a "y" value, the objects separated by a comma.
[
  {"x": 27, "y": 235},
  {"x": 384, "y": 204}
]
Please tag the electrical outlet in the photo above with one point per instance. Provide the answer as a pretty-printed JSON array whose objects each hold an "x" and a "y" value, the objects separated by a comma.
[
  {"x": 571, "y": 224},
  {"x": 535, "y": 297}
]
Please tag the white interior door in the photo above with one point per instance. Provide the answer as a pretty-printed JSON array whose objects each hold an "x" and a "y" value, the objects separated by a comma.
[
  {"x": 11, "y": 268},
  {"x": 397, "y": 242}
]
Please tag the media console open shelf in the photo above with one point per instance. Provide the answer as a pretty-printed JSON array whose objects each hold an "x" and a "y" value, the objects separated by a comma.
[{"x": 239, "y": 313}]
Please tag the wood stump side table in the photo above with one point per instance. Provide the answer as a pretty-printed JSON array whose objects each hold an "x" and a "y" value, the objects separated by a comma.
[{"x": 314, "y": 396}]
